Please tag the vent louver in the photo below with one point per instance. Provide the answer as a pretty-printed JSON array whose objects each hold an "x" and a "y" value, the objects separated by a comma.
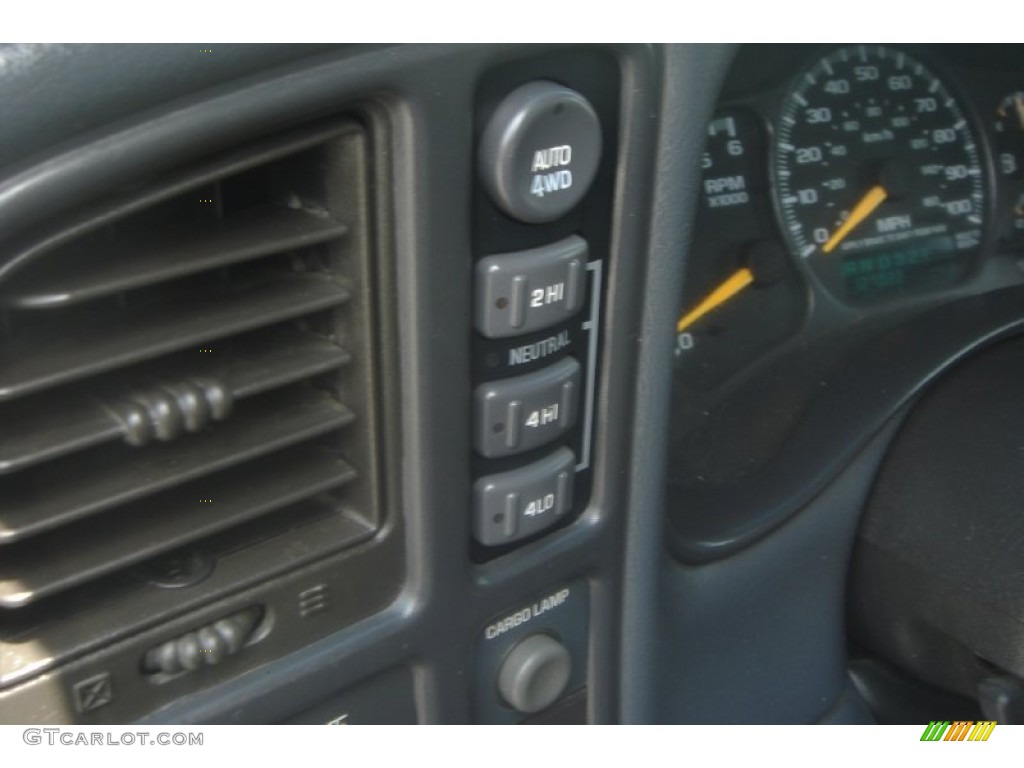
[{"x": 186, "y": 369}]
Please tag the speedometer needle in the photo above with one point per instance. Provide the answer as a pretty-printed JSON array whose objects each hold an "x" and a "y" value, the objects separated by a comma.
[
  {"x": 873, "y": 198},
  {"x": 732, "y": 285}
]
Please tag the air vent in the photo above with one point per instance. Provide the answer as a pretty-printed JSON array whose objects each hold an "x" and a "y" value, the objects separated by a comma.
[{"x": 186, "y": 376}]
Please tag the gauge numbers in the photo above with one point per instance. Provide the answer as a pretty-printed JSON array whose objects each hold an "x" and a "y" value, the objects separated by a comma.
[
  {"x": 743, "y": 295},
  {"x": 879, "y": 178},
  {"x": 727, "y": 166}
]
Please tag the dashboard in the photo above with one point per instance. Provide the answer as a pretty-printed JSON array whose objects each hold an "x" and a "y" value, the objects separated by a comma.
[
  {"x": 504, "y": 384},
  {"x": 847, "y": 193},
  {"x": 858, "y": 232}
]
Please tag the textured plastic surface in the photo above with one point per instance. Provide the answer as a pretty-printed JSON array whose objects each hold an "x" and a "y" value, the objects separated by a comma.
[
  {"x": 759, "y": 637},
  {"x": 424, "y": 95},
  {"x": 937, "y": 581},
  {"x": 552, "y": 630},
  {"x": 898, "y": 698},
  {"x": 226, "y": 478},
  {"x": 55, "y": 92},
  {"x": 692, "y": 77},
  {"x": 385, "y": 699},
  {"x": 1002, "y": 699},
  {"x": 430, "y": 92},
  {"x": 854, "y": 400}
]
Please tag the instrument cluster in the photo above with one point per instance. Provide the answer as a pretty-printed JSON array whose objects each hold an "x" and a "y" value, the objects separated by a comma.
[{"x": 846, "y": 192}]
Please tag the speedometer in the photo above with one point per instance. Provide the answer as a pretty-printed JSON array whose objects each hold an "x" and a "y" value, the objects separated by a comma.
[{"x": 878, "y": 176}]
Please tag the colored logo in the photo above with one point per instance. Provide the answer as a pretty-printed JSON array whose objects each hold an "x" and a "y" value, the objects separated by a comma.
[{"x": 958, "y": 730}]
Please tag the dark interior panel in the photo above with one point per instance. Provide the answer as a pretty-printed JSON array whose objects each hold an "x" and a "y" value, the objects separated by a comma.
[{"x": 609, "y": 383}]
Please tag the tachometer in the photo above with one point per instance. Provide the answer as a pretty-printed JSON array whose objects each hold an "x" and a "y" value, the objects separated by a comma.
[
  {"x": 743, "y": 295},
  {"x": 878, "y": 175}
]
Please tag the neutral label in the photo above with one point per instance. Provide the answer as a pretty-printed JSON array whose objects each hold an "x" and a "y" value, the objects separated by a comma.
[{"x": 539, "y": 349}]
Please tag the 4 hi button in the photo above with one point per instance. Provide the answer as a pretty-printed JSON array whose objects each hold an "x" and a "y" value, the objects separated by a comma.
[
  {"x": 540, "y": 151},
  {"x": 521, "y": 413}
]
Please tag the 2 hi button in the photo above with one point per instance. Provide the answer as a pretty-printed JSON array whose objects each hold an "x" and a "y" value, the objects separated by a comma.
[{"x": 540, "y": 151}]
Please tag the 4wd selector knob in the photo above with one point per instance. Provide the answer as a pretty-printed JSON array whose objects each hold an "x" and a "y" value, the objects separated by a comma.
[
  {"x": 540, "y": 151},
  {"x": 535, "y": 673}
]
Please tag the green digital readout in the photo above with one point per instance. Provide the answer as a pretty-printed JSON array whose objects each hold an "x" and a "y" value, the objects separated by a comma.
[
  {"x": 930, "y": 265},
  {"x": 873, "y": 159}
]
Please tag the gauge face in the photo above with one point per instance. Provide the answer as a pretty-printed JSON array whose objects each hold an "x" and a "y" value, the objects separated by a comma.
[
  {"x": 1009, "y": 126},
  {"x": 729, "y": 163},
  {"x": 1009, "y": 145},
  {"x": 742, "y": 294},
  {"x": 879, "y": 178}
]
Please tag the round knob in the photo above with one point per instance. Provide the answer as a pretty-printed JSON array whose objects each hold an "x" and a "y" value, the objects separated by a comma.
[
  {"x": 540, "y": 151},
  {"x": 534, "y": 674}
]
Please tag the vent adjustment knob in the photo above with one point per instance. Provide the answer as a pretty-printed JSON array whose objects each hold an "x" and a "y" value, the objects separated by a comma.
[
  {"x": 540, "y": 151},
  {"x": 535, "y": 673},
  {"x": 206, "y": 646}
]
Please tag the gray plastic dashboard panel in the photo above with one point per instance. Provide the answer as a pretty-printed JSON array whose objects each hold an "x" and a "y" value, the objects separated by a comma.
[
  {"x": 693, "y": 77},
  {"x": 418, "y": 101},
  {"x": 56, "y": 92}
]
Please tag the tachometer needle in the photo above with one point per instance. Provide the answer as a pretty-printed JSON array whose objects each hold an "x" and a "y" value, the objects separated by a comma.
[
  {"x": 864, "y": 208},
  {"x": 732, "y": 285}
]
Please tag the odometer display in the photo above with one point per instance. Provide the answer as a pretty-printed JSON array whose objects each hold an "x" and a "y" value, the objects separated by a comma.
[{"x": 878, "y": 176}]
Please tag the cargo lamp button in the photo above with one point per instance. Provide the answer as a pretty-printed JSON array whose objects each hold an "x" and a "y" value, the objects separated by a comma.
[{"x": 535, "y": 673}]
